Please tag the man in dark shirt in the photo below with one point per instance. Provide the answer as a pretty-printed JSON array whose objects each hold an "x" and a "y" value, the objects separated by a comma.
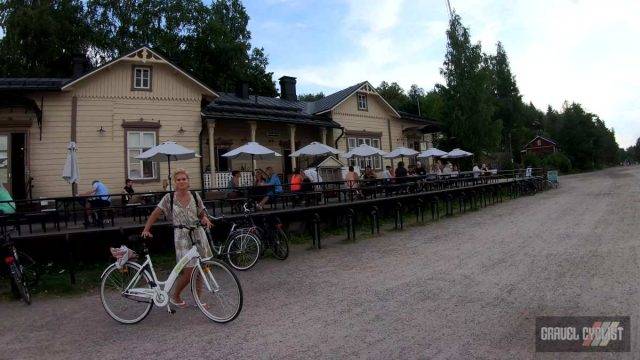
[
  {"x": 420, "y": 170},
  {"x": 401, "y": 172}
]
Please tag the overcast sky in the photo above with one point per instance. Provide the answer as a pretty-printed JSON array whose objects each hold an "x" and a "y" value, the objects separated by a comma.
[{"x": 576, "y": 50}]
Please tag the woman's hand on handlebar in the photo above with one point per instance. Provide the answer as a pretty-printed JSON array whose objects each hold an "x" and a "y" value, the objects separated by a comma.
[
  {"x": 146, "y": 234},
  {"x": 206, "y": 222}
]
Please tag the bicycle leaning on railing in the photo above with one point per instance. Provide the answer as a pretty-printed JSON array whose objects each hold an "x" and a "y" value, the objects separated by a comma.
[
  {"x": 241, "y": 249},
  {"x": 21, "y": 268},
  {"x": 270, "y": 233},
  {"x": 128, "y": 292}
]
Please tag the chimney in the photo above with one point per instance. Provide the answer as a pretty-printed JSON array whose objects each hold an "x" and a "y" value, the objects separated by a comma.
[
  {"x": 288, "y": 88},
  {"x": 78, "y": 63},
  {"x": 242, "y": 90}
]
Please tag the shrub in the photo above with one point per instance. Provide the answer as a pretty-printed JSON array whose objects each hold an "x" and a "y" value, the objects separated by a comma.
[{"x": 557, "y": 161}]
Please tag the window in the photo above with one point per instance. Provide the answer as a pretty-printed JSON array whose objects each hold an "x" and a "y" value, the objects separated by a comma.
[
  {"x": 137, "y": 143},
  {"x": 374, "y": 161},
  {"x": 362, "y": 102},
  {"x": 141, "y": 78}
]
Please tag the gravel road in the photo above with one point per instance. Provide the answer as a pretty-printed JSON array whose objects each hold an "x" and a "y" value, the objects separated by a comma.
[{"x": 467, "y": 287}]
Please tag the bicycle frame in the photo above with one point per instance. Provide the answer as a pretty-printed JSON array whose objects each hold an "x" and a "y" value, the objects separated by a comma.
[{"x": 159, "y": 289}]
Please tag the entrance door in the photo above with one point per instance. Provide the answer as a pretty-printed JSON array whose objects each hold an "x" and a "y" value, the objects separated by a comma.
[{"x": 17, "y": 165}]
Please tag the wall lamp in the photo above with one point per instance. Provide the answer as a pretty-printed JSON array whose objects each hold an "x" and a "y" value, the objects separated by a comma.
[
  {"x": 181, "y": 131},
  {"x": 101, "y": 131}
]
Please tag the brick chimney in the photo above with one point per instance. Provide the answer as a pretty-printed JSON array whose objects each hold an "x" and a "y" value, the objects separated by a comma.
[
  {"x": 288, "y": 88},
  {"x": 242, "y": 90}
]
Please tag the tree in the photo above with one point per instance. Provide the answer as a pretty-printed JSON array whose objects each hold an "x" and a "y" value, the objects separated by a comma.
[
  {"x": 508, "y": 101},
  {"x": 311, "y": 97},
  {"x": 393, "y": 94},
  {"x": 41, "y": 38},
  {"x": 468, "y": 98}
]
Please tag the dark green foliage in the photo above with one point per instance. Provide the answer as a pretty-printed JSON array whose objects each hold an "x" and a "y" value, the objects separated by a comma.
[
  {"x": 311, "y": 97},
  {"x": 416, "y": 101},
  {"x": 211, "y": 41},
  {"x": 557, "y": 161},
  {"x": 42, "y": 37}
]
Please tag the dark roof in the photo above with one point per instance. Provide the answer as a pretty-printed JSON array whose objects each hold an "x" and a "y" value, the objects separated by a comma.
[
  {"x": 32, "y": 84},
  {"x": 262, "y": 108},
  {"x": 427, "y": 124},
  {"x": 328, "y": 102}
]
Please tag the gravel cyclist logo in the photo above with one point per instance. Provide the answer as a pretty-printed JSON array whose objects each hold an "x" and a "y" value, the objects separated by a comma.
[{"x": 583, "y": 334}]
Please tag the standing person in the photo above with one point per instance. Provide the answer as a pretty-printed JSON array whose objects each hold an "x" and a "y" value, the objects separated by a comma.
[
  {"x": 275, "y": 188},
  {"x": 184, "y": 208},
  {"x": 128, "y": 191},
  {"x": 233, "y": 186}
]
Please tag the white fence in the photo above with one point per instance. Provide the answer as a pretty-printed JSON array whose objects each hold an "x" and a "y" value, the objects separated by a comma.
[{"x": 221, "y": 179}]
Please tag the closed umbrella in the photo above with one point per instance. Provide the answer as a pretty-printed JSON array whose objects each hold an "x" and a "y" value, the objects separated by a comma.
[
  {"x": 70, "y": 172},
  {"x": 168, "y": 150},
  {"x": 432, "y": 152},
  {"x": 456, "y": 154},
  {"x": 251, "y": 150}
]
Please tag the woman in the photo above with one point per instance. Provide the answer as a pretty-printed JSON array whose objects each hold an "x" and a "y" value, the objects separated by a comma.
[
  {"x": 233, "y": 185},
  {"x": 187, "y": 210}
]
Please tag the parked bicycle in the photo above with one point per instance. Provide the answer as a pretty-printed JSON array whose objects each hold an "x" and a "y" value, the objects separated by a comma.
[
  {"x": 21, "y": 268},
  {"x": 128, "y": 292},
  {"x": 270, "y": 231},
  {"x": 241, "y": 249}
]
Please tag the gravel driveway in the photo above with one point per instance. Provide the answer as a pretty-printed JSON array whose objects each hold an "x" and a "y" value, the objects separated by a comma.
[{"x": 465, "y": 287}]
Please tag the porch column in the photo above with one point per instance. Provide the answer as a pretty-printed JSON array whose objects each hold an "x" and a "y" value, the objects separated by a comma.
[
  {"x": 324, "y": 135},
  {"x": 292, "y": 139},
  {"x": 254, "y": 127},
  {"x": 211, "y": 125}
]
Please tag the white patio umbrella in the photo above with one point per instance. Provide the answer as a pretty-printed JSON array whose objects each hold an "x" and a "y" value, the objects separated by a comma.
[
  {"x": 168, "y": 150},
  {"x": 401, "y": 152},
  {"x": 315, "y": 149},
  {"x": 70, "y": 172},
  {"x": 432, "y": 152},
  {"x": 456, "y": 154},
  {"x": 364, "y": 150},
  {"x": 251, "y": 150}
]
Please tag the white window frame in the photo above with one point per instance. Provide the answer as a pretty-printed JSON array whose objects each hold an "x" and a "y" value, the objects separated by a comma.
[
  {"x": 139, "y": 78},
  {"x": 374, "y": 161},
  {"x": 140, "y": 149},
  {"x": 362, "y": 102}
]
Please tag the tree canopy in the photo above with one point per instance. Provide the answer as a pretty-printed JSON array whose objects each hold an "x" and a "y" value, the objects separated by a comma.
[{"x": 211, "y": 41}]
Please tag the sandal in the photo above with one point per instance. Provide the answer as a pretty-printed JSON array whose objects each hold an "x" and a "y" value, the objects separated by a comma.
[{"x": 181, "y": 305}]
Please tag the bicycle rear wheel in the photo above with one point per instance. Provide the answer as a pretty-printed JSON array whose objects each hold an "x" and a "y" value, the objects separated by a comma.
[
  {"x": 29, "y": 268},
  {"x": 280, "y": 244},
  {"x": 216, "y": 290},
  {"x": 19, "y": 282},
  {"x": 123, "y": 308},
  {"x": 243, "y": 251}
]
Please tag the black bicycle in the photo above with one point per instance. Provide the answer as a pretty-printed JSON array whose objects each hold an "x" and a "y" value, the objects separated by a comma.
[
  {"x": 270, "y": 231},
  {"x": 21, "y": 268}
]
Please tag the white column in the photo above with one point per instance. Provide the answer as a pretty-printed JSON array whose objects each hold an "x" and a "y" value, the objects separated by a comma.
[
  {"x": 211, "y": 125},
  {"x": 292, "y": 139},
  {"x": 324, "y": 135}
]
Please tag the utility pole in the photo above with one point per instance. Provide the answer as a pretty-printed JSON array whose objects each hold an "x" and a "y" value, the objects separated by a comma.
[{"x": 449, "y": 7}]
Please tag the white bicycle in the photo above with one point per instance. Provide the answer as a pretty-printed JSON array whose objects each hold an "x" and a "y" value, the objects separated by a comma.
[{"x": 128, "y": 293}]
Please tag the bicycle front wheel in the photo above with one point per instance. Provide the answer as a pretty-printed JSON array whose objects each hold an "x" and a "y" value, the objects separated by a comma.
[
  {"x": 216, "y": 290},
  {"x": 243, "y": 251},
  {"x": 122, "y": 306},
  {"x": 19, "y": 281}
]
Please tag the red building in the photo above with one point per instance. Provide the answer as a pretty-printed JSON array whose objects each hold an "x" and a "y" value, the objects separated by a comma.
[{"x": 540, "y": 146}]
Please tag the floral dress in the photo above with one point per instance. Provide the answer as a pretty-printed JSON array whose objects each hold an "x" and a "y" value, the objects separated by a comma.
[{"x": 186, "y": 216}]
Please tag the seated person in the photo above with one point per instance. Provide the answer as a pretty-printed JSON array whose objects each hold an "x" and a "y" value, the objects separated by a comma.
[
  {"x": 275, "y": 188},
  {"x": 233, "y": 186},
  {"x": 296, "y": 180},
  {"x": 128, "y": 191},
  {"x": 351, "y": 178},
  {"x": 369, "y": 174},
  {"x": 7, "y": 206},
  {"x": 101, "y": 197}
]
